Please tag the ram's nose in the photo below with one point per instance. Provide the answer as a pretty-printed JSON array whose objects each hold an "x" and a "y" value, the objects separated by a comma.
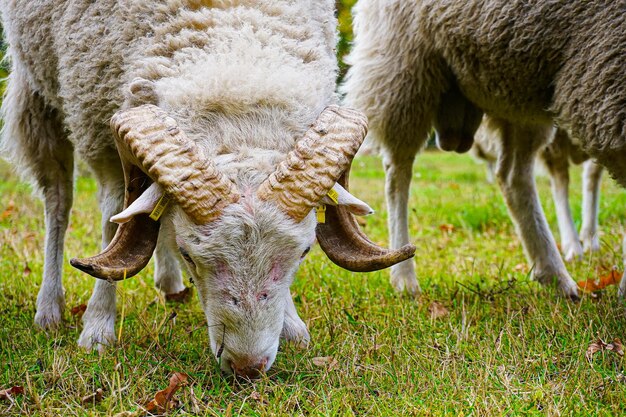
[{"x": 248, "y": 368}]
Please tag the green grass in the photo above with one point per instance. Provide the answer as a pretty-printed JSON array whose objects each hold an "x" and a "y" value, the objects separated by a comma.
[{"x": 508, "y": 346}]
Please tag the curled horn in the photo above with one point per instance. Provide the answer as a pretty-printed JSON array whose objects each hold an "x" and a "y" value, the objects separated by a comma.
[
  {"x": 321, "y": 158},
  {"x": 134, "y": 242},
  {"x": 347, "y": 246},
  {"x": 155, "y": 143},
  {"x": 152, "y": 147},
  {"x": 316, "y": 163}
]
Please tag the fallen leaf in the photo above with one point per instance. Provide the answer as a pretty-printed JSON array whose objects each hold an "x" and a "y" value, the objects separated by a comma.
[
  {"x": 613, "y": 277},
  {"x": 520, "y": 268},
  {"x": 94, "y": 397},
  {"x": 164, "y": 400},
  {"x": 9, "y": 393},
  {"x": 27, "y": 269},
  {"x": 446, "y": 227},
  {"x": 78, "y": 310},
  {"x": 8, "y": 212},
  {"x": 325, "y": 361},
  {"x": 180, "y": 297},
  {"x": 437, "y": 310},
  {"x": 599, "y": 345},
  {"x": 617, "y": 347}
]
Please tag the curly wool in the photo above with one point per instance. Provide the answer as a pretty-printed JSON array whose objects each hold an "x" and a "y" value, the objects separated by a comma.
[
  {"x": 525, "y": 62},
  {"x": 233, "y": 73}
]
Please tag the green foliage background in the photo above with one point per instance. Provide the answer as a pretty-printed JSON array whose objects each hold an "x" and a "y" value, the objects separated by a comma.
[{"x": 344, "y": 8}]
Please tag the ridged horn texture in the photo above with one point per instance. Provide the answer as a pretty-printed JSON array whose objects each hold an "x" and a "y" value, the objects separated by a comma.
[
  {"x": 344, "y": 243},
  {"x": 152, "y": 147},
  {"x": 174, "y": 161},
  {"x": 318, "y": 160},
  {"x": 134, "y": 242}
]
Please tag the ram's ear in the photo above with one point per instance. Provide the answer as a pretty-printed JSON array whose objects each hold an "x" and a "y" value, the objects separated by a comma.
[
  {"x": 345, "y": 199},
  {"x": 144, "y": 204}
]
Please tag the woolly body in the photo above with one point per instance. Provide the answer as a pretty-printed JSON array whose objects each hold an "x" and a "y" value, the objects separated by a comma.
[
  {"x": 443, "y": 63},
  {"x": 219, "y": 70}
]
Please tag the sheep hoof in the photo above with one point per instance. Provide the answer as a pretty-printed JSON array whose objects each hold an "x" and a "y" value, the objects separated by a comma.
[
  {"x": 572, "y": 251},
  {"x": 49, "y": 317},
  {"x": 566, "y": 284},
  {"x": 50, "y": 308},
  {"x": 569, "y": 288},
  {"x": 98, "y": 333},
  {"x": 591, "y": 244},
  {"x": 296, "y": 332},
  {"x": 405, "y": 282}
]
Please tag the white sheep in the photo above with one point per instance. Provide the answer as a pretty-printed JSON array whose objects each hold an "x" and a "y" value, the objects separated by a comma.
[
  {"x": 555, "y": 159},
  {"x": 223, "y": 108},
  {"x": 527, "y": 64}
]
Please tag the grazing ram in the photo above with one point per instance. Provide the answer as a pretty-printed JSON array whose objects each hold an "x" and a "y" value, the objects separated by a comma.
[
  {"x": 526, "y": 64},
  {"x": 555, "y": 158},
  {"x": 223, "y": 108}
]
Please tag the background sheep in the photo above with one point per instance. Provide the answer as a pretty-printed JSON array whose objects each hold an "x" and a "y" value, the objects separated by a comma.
[
  {"x": 555, "y": 159},
  {"x": 525, "y": 64},
  {"x": 210, "y": 100}
]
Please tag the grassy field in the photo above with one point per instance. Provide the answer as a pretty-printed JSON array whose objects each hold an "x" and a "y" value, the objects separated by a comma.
[{"x": 507, "y": 345}]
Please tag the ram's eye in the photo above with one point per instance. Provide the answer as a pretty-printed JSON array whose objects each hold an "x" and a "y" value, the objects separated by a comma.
[
  {"x": 305, "y": 252},
  {"x": 234, "y": 300},
  {"x": 263, "y": 296},
  {"x": 186, "y": 256}
]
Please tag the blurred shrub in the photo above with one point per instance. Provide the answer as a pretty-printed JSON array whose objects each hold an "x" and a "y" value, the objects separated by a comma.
[{"x": 344, "y": 8}]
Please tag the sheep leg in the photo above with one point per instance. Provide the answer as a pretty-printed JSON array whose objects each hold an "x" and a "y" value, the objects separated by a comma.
[
  {"x": 294, "y": 329},
  {"x": 592, "y": 176},
  {"x": 167, "y": 273},
  {"x": 36, "y": 140},
  {"x": 398, "y": 173},
  {"x": 515, "y": 177},
  {"x": 491, "y": 171},
  {"x": 558, "y": 166},
  {"x": 99, "y": 318},
  {"x": 58, "y": 195}
]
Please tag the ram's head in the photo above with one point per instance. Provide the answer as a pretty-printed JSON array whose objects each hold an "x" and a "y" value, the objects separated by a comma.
[{"x": 242, "y": 247}]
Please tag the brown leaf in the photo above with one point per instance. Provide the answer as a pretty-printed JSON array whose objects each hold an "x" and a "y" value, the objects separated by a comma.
[
  {"x": 616, "y": 346},
  {"x": 9, "y": 393},
  {"x": 437, "y": 310},
  {"x": 78, "y": 310},
  {"x": 613, "y": 277},
  {"x": 94, "y": 397},
  {"x": 599, "y": 345},
  {"x": 446, "y": 228},
  {"x": 594, "y": 347},
  {"x": 180, "y": 297},
  {"x": 27, "y": 269},
  {"x": 325, "y": 362},
  {"x": 164, "y": 400},
  {"x": 520, "y": 268},
  {"x": 8, "y": 211}
]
